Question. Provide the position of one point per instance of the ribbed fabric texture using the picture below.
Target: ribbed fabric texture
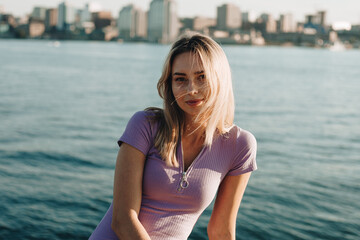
(169, 212)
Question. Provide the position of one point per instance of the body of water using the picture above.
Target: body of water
(63, 107)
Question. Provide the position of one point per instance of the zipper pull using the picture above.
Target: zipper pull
(184, 183)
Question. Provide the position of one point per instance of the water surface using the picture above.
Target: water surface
(63, 108)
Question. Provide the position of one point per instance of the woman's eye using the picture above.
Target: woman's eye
(180, 79)
(201, 77)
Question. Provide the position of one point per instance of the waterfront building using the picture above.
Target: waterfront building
(51, 18)
(110, 33)
(66, 16)
(322, 18)
(201, 24)
(32, 28)
(286, 23)
(7, 25)
(249, 16)
(132, 23)
(36, 28)
(39, 13)
(228, 17)
(355, 28)
(317, 22)
(102, 19)
(247, 20)
(312, 19)
(187, 24)
(8, 19)
(316, 19)
(348, 34)
(86, 12)
(269, 22)
(78, 13)
(163, 23)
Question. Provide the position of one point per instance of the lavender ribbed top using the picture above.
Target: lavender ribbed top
(173, 200)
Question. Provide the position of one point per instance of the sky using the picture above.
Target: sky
(337, 10)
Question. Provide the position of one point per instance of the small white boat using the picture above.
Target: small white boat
(56, 44)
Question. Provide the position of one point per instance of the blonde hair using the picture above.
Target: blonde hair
(219, 105)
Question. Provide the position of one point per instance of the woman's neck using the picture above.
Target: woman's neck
(194, 131)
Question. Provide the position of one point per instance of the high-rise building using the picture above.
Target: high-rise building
(286, 23)
(316, 19)
(228, 17)
(51, 18)
(66, 16)
(247, 20)
(311, 19)
(86, 13)
(163, 23)
(249, 16)
(132, 22)
(39, 13)
(322, 18)
(270, 22)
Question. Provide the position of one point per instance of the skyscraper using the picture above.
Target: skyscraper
(132, 22)
(39, 13)
(66, 16)
(228, 17)
(163, 25)
(51, 18)
(86, 12)
(270, 23)
(286, 23)
(249, 16)
(322, 18)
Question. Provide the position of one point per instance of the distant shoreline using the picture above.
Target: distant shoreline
(57, 43)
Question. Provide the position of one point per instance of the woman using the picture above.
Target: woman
(172, 162)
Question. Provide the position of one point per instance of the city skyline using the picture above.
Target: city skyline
(344, 11)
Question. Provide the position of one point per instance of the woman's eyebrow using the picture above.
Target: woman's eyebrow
(183, 74)
(180, 74)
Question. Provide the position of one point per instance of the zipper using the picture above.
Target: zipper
(184, 183)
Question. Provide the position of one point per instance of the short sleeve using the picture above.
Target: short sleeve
(245, 153)
(138, 132)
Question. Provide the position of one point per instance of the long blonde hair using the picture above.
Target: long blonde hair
(219, 105)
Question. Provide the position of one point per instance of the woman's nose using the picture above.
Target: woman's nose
(192, 88)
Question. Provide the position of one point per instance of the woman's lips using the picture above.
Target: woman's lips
(194, 102)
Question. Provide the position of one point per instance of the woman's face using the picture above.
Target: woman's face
(189, 84)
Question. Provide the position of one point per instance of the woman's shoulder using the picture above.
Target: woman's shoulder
(150, 119)
(148, 114)
(243, 147)
(240, 137)
(244, 136)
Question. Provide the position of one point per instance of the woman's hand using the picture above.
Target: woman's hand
(222, 223)
(127, 194)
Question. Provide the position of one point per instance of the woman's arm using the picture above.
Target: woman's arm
(222, 224)
(127, 194)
